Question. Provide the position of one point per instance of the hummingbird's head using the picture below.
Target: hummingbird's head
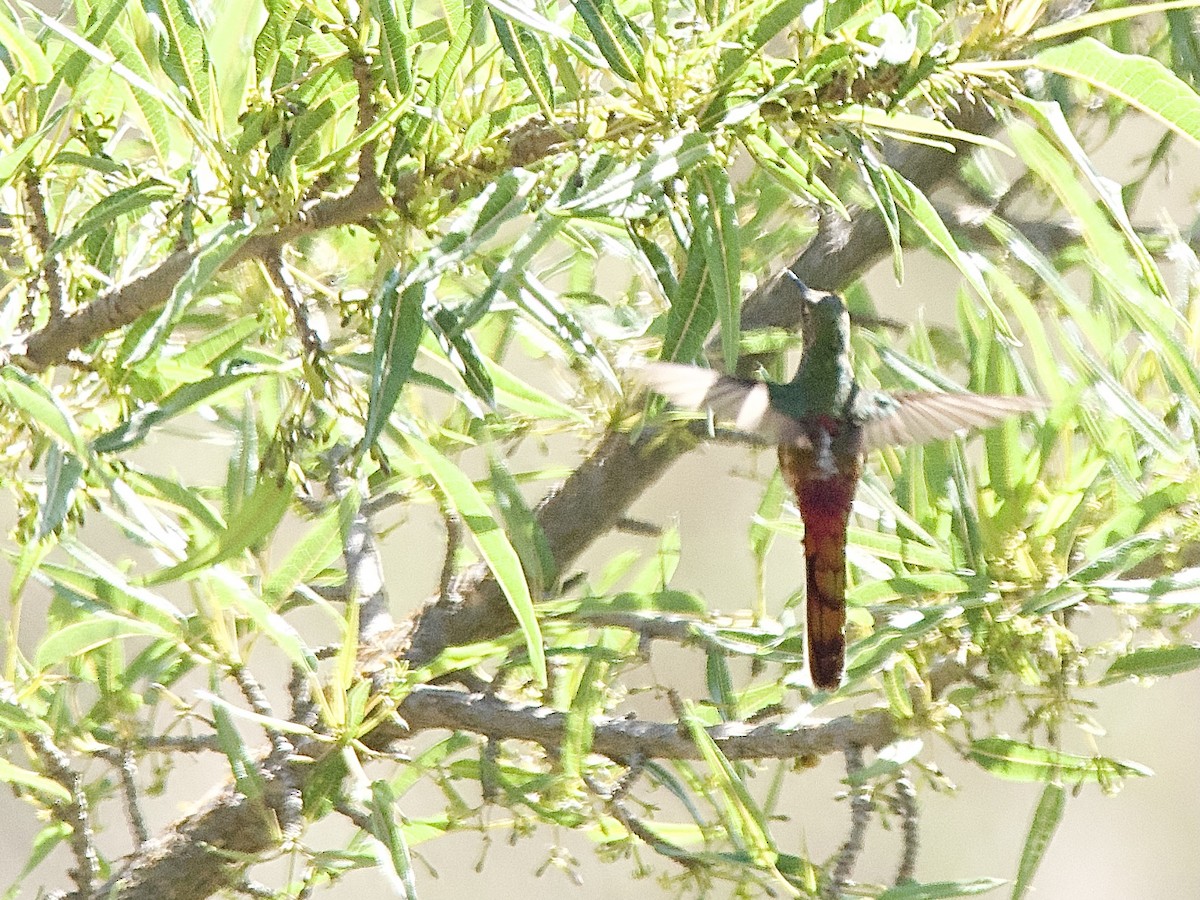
(824, 320)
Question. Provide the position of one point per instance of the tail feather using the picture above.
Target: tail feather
(825, 508)
(826, 595)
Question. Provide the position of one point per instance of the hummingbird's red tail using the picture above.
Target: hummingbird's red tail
(825, 508)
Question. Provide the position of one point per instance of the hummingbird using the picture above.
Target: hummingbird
(823, 424)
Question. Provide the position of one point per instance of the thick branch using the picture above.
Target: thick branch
(630, 739)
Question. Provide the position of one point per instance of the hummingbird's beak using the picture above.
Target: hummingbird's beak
(807, 299)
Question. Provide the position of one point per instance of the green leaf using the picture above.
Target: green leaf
(880, 190)
(382, 824)
(40, 784)
(461, 351)
(524, 530)
(281, 14)
(741, 815)
(1018, 761)
(40, 408)
(674, 157)
(242, 763)
(1045, 822)
(26, 56)
(1154, 662)
(767, 25)
(398, 332)
(98, 629)
(616, 37)
(938, 890)
(693, 310)
(1140, 81)
(926, 217)
(102, 216)
(256, 519)
(587, 702)
(545, 308)
(182, 52)
(1052, 120)
(141, 421)
(217, 250)
(715, 224)
(497, 551)
(232, 591)
(529, 57)
(313, 552)
(393, 45)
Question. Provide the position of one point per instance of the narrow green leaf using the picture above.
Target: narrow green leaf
(141, 421)
(693, 310)
(452, 58)
(1096, 18)
(26, 394)
(674, 157)
(1154, 662)
(577, 729)
(545, 308)
(98, 629)
(232, 591)
(393, 18)
(26, 56)
(281, 14)
(194, 363)
(913, 584)
(926, 217)
(940, 890)
(880, 190)
(63, 471)
(461, 351)
(212, 256)
(715, 223)
(395, 855)
(1140, 81)
(242, 763)
(313, 552)
(523, 529)
(182, 52)
(40, 784)
(529, 57)
(1046, 817)
(771, 22)
(102, 216)
(616, 37)
(493, 544)
(1018, 761)
(398, 332)
(99, 581)
(257, 518)
(741, 814)
(1053, 121)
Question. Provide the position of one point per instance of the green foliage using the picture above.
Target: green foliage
(396, 250)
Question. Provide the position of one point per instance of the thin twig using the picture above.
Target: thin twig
(454, 535)
(279, 763)
(51, 272)
(125, 763)
(905, 805)
(293, 297)
(860, 817)
(614, 804)
(74, 812)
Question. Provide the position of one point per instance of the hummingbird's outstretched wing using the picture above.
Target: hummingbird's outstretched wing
(743, 403)
(914, 418)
